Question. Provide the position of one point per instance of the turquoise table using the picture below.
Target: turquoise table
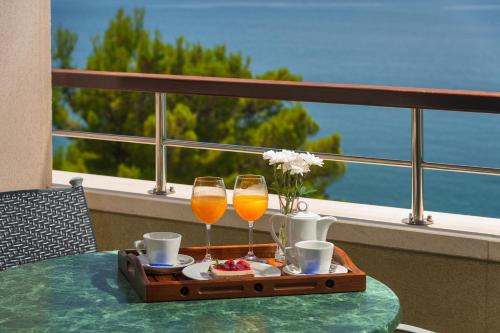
(86, 293)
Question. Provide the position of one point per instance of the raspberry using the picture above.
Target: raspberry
(243, 263)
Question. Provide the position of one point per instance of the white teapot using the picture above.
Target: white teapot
(301, 226)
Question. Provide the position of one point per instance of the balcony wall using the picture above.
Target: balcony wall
(25, 95)
(447, 280)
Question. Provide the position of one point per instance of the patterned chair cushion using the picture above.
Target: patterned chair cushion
(43, 224)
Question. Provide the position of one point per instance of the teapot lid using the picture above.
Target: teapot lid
(303, 213)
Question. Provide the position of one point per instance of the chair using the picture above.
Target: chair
(42, 224)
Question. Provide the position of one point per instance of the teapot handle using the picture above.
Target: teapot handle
(273, 230)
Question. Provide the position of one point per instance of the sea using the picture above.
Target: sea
(426, 43)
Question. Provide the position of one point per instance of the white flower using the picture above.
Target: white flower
(299, 170)
(298, 165)
(270, 155)
(285, 156)
(311, 159)
(280, 157)
(287, 160)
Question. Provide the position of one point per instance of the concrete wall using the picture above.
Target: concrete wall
(117, 231)
(439, 293)
(25, 94)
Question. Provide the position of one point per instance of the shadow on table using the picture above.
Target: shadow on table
(112, 282)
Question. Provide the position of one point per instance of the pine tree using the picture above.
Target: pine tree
(126, 46)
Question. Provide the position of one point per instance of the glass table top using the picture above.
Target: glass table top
(86, 293)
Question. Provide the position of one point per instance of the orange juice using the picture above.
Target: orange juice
(209, 208)
(250, 207)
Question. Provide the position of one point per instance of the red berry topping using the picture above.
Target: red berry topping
(231, 265)
(243, 263)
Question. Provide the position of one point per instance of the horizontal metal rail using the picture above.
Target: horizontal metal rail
(423, 98)
(259, 150)
(221, 147)
(461, 168)
(103, 137)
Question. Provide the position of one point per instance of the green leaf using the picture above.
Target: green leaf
(303, 192)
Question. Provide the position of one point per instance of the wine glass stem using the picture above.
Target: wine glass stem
(208, 241)
(250, 238)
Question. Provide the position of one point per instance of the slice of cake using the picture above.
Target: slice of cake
(231, 268)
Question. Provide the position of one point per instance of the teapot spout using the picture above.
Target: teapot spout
(322, 226)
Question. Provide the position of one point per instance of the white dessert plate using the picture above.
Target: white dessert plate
(199, 271)
(182, 261)
(334, 269)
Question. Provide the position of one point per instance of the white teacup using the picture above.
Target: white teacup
(161, 247)
(311, 256)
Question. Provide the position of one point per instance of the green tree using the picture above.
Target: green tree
(126, 46)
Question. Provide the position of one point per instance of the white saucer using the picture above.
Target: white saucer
(199, 271)
(334, 269)
(182, 261)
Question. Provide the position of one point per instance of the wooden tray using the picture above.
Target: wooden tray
(177, 287)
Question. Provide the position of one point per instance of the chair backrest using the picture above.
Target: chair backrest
(43, 224)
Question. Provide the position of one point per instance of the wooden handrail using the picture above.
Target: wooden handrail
(386, 96)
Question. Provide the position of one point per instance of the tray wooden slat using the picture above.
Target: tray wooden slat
(177, 287)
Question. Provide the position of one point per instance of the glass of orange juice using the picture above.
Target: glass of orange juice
(208, 202)
(250, 202)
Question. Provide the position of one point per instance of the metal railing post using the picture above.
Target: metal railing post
(417, 175)
(160, 148)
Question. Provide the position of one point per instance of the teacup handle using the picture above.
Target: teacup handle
(273, 230)
(139, 246)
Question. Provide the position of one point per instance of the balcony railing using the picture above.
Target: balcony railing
(417, 99)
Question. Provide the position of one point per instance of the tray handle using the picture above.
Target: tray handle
(342, 258)
(135, 271)
(337, 257)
